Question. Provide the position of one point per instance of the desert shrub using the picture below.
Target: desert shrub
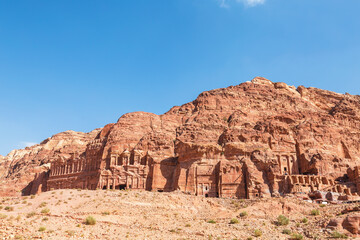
(18, 237)
(211, 221)
(41, 229)
(90, 220)
(24, 202)
(18, 218)
(243, 214)
(336, 234)
(32, 196)
(2, 216)
(45, 219)
(105, 213)
(304, 220)
(31, 214)
(322, 205)
(9, 209)
(234, 221)
(188, 225)
(1, 207)
(315, 212)
(43, 204)
(45, 211)
(257, 233)
(249, 238)
(282, 220)
(296, 236)
(286, 231)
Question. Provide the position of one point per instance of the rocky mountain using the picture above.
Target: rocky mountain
(19, 167)
(263, 131)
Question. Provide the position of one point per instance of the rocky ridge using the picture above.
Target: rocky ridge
(255, 119)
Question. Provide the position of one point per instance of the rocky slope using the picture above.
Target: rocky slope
(136, 214)
(255, 119)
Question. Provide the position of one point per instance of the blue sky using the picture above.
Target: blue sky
(82, 64)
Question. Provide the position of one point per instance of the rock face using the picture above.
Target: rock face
(26, 171)
(352, 223)
(256, 139)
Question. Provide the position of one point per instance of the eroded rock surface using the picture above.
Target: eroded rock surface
(256, 139)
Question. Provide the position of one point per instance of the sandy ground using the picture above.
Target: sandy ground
(135, 214)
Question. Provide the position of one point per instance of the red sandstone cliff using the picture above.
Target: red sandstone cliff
(20, 167)
(251, 126)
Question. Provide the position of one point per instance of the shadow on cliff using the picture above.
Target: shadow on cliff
(38, 185)
(167, 168)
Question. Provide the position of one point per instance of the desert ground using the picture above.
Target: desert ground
(135, 214)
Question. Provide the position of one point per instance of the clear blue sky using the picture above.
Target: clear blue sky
(82, 64)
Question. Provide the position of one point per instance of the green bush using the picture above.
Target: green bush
(282, 220)
(43, 204)
(41, 229)
(286, 231)
(243, 214)
(211, 221)
(336, 234)
(304, 220)
(45, 211)
(234, 221)
(257, 233)
(315, 212)
(90, 220)
(31, 214)
(188, 225)
(322, 205)
(106, 213)
(296, 236)
(7, 208)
